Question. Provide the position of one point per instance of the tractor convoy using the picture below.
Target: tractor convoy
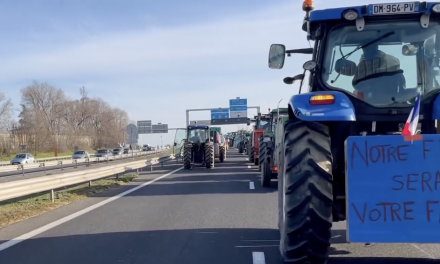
(312, 147)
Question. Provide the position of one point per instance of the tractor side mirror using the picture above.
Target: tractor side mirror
(291, 80)
(345, 67)
(277, 55)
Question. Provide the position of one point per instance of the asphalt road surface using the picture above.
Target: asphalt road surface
(200, 216)
(52, 170)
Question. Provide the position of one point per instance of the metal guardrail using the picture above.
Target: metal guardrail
(8, 163)
(44, 164)
(21, 188)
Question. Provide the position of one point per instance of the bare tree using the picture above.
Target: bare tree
(6, 110)
(49, 119)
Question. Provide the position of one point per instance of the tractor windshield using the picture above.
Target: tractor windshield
(386, 64)
(197, 135)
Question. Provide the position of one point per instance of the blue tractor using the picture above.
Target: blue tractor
(198, 148)
(369, 65)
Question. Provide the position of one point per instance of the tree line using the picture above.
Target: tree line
(48, 119)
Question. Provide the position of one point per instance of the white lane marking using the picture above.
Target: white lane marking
(260, 240)
(65, 219)
(258, 258)
(259, 246)
(251, 185)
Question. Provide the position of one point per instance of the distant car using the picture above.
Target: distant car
(80, 154)
(103, 153)
(118, 151)
(126, 150)
(146, 148)
(23, 158)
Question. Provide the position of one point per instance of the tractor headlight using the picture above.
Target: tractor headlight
(350, 14)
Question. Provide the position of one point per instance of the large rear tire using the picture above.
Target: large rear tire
(251, 152)
(240, 148)
(262, 153)
(209, 155)
(266, 173)
(222, 155)
(307, 198)
(187, 153)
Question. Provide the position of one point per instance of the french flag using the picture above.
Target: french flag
(410, 127)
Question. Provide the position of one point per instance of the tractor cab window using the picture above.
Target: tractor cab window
(274, 122)
(197, 135)
(263, 124)
(386, 64)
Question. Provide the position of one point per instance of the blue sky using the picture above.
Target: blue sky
(154, 59)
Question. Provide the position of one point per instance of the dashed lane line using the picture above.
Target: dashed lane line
(258, 258)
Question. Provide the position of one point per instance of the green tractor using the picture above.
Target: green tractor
(269, 145)
(198, 148)
(242, 138)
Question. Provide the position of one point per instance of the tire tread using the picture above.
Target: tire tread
(308, 193)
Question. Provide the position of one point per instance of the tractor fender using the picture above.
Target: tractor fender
(341, 110)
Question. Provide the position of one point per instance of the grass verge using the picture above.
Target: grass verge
(20, 209)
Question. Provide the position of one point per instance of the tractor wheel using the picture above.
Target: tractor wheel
(187, 157)
(246, 149)
(306, 193)
(266, 173)
(209, 155)
(251, 155)
(222, 155)
(240, 148)
(262, 153)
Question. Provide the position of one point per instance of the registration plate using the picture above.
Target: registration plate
(396, 8)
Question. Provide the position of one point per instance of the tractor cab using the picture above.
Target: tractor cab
(369, 64)
(198, 134)
(274, 118)
(262, 121)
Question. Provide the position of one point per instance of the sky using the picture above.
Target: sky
(155, 59)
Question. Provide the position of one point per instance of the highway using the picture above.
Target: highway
(37, 172)
(175, 216)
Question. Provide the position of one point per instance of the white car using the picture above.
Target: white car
(23, 158)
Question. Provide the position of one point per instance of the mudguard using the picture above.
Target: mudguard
(436, 108)
(341, 110)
